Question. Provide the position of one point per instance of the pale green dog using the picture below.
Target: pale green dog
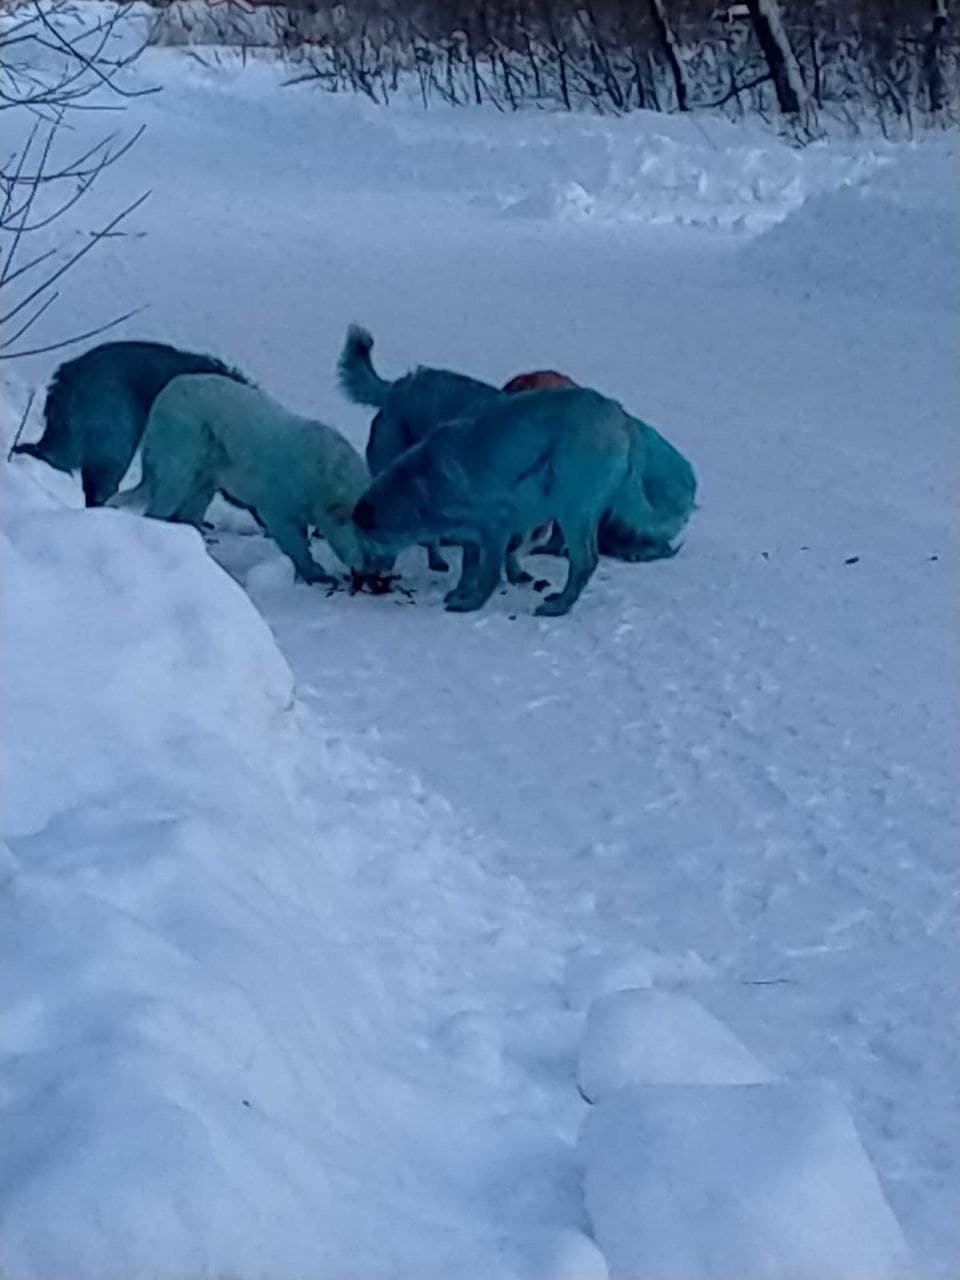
(207, 433)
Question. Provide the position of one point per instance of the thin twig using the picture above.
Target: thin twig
(28, 324)
(98, 236)
(23, 423)
(79, 337)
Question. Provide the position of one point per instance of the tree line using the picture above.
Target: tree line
(803, 61)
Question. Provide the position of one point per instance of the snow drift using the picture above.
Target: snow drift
(222, 985)
(736, 1182)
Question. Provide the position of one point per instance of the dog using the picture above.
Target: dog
(209, 433)
(97, 407)
(412, 406)
(408, 408)
(416, 404)
(567, 455)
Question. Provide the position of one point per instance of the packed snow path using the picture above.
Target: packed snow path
(743, 752)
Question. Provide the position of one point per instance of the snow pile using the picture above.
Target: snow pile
(739, 1182)
(892, 208)
(230, 947)
(659, 1037)
(647, 168)
(699, 1165)
(113, 620)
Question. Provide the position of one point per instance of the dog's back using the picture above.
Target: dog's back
(258, 443)
(97, 404)
(538, 454)
(410, 407)
(417, 404)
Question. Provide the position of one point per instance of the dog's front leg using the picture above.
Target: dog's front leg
(481, 572)
(435, 560)
(293, 541)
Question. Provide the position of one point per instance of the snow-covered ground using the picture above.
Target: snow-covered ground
(304, 923)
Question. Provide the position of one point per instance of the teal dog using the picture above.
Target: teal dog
(408, 408)
(412, 406)
(567, 455)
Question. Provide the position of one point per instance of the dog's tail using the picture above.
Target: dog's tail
(356, 374)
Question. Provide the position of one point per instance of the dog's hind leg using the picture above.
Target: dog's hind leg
(583, 556)
(194, 507)
(555, 544)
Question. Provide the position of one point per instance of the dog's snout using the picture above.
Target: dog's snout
(364, 514)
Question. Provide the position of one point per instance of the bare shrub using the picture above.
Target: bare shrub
(53, 64)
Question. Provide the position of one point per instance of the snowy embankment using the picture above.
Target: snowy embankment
(239, 959)
(274, 1007)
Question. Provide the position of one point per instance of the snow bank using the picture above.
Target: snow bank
(841, 239)
(659, 1037)
(749, 1182)
(648, 168)
(113, 620)
(245, 968)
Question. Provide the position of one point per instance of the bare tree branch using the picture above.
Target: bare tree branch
(36, 187)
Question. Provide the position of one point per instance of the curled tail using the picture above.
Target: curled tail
(357, 377)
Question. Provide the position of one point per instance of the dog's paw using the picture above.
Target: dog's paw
(554, 606)
(436, 562)
(455, 603)
(318, 578)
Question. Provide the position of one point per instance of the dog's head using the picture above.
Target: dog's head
(352, 547)
(413, 499)
(538, 380)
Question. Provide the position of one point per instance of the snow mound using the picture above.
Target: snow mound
(113, 622)
(27, 484)
(659, 1037)
(749, 1182)
(645, 168)
(563, 1255)
(900, 208)
(244, 968)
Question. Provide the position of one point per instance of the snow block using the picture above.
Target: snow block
(591, 974)
(747, 1182)
(659, 1037)
(562, 1254)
